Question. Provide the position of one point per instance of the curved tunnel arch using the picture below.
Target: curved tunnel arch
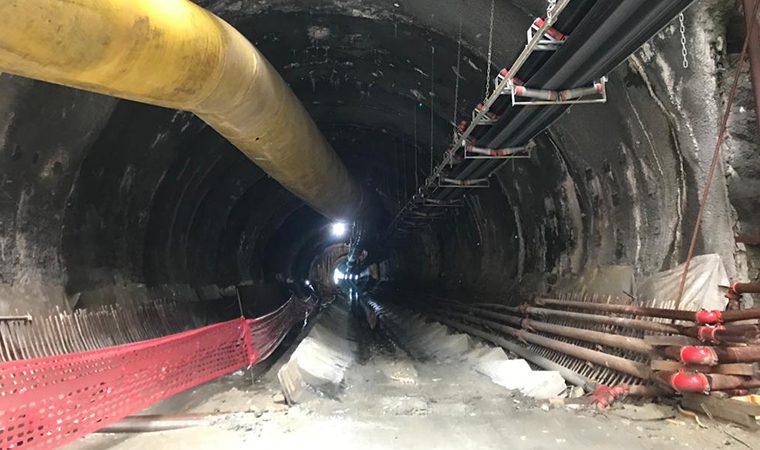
(152, 198)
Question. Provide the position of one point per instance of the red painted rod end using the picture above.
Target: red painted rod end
(703, 356)
(709, 317)
(690, 382)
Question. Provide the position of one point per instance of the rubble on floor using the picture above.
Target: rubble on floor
(436, 341)
(320, 362)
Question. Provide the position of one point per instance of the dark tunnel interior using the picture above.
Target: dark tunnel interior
(320, 242)
(116, 201)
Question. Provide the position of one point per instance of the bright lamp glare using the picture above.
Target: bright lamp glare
(337, 276)
(338, 229)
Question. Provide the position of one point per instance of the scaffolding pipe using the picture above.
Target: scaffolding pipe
(175, 54)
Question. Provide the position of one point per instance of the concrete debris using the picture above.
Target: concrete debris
(576, 392)
(400, 372)
(436, 341)
(483, 353)
(320, 362)
(517, 375)
(405, 406)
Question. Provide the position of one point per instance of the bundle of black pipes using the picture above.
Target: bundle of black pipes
(602, 35)
(674, 357)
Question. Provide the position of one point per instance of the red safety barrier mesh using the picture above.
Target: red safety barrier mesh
(47, 402)
(267, 332)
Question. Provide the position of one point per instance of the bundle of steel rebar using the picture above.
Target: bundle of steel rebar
(612, 341)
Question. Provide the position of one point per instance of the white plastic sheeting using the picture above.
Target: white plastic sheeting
(703, 284)
(706, 275)
(601, 280)
(516, 374)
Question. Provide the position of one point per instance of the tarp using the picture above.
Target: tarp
(703, 284)
(601, 280)
(706, 275)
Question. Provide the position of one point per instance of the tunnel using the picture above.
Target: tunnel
(107, 202)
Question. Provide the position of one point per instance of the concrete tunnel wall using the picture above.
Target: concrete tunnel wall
(105, 201)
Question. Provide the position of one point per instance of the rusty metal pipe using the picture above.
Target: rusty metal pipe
(729, 333)
(699, 382)
(734, 334)
(751, 383)
(711, 356)
(725, 334)
(569, 375)
(620, 309)
(741, 314)
(611, 340)
(597, 337)
(634, 324)
(175, 54)
(673, 314)
(746, 288)
(154, 423)
(623, 322)
(617, 363)
(749, 239)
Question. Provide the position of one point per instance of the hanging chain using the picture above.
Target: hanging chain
(432, 104)
(684, 50)
(456, 87)
(490, 51)
(416, 170)
(550, 10)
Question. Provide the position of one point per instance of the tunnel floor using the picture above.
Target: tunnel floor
(390, 399)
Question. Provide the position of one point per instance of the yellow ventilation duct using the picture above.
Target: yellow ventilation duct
(175, 54)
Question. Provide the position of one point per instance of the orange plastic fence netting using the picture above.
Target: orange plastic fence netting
(47, 402)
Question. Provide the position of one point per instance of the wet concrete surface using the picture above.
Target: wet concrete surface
(391, 400)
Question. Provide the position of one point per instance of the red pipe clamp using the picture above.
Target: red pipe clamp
(690, 382)
(701, 356)
(706, 333)
(604, 395)
(708, 317)
(551, 31)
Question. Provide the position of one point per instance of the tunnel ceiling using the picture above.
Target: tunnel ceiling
(106, 199)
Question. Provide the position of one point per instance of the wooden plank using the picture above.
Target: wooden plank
(672, 340)
(746, 369)
(731, 410)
